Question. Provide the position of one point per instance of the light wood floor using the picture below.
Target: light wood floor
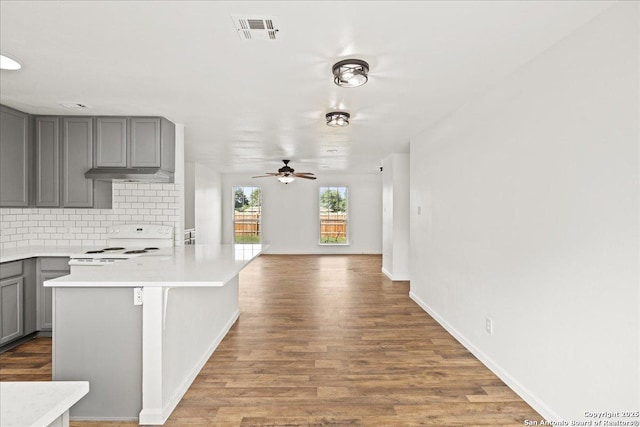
(326, 341)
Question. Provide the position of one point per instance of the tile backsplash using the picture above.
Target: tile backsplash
(133, 202)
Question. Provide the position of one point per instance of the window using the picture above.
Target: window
(247, 214)
(333, 216)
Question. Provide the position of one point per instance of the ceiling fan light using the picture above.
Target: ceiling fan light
(350, 73)
(286, 179)
(338, 119)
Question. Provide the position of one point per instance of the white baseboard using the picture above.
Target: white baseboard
(152, 418)
(109, 419)
(180, 392)
(397, 277)
(533, 400)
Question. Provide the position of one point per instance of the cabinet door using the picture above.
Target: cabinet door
(111, 142)
(145, 142)
(11, 306)
(45, 317)
(29, 296)
(14, 158)
(47, 162)
(77, 158)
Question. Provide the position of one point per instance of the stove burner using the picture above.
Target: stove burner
(150, 249)
(113, 249)
(137, 251)
(94, 252)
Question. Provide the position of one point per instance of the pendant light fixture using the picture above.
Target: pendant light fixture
(350, 73)
(338, 119)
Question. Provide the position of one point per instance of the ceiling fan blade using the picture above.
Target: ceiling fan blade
(305, 173)
(263, 176)
(304, 176)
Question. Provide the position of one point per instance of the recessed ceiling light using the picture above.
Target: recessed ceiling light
(332, 151)
(338, 119)
(9, 63)
(350, 73)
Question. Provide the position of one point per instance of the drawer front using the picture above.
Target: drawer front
(10, 269)
(54, 264)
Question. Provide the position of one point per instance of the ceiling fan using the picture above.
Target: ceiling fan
(287, 174)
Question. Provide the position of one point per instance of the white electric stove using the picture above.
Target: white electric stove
(126, 241)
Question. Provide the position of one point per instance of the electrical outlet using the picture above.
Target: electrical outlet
(489, 325)
(137, 296)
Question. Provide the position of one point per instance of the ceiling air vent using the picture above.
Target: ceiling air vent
(256, 28)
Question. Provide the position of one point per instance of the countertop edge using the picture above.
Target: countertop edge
(40, 251)
(78, 390)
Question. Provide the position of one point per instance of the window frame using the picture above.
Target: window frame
(233, 214)
(347, 218)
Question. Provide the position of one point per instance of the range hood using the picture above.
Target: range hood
(130, 174)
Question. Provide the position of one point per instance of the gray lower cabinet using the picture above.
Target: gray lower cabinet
(77, 158)
(30, 289)
(48, 268)
(47, 146)
(11, 301)
(11, 307)
(14, 158)
(17, 299)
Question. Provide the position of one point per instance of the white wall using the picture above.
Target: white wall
(290, 221)
(189, 195)
(529, 200)
(197, 319)
(395, 216)
(179, 177)
(207, 205)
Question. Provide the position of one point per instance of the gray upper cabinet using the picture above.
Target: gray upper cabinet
(145, 142)
(77, 158)
(111, 142)
(14, 158)
(47, 170)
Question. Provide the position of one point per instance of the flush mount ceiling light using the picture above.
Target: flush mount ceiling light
(350, 73)
(9, 63)
(338, 119)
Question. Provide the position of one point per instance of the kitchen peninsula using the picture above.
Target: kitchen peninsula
(140, 330)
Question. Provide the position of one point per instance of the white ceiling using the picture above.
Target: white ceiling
(247, 104)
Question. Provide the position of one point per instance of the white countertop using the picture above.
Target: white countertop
(25, 252)
(193, 265)
(37, 403)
